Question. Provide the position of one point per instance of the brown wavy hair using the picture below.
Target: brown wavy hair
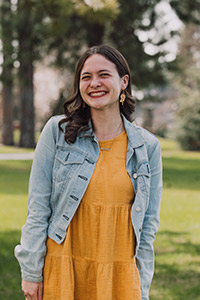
(77, 113)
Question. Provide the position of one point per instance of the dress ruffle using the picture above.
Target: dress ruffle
(73, 278)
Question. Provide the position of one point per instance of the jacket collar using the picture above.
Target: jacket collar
(135, 138)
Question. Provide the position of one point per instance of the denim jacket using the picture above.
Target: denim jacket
(59, 178)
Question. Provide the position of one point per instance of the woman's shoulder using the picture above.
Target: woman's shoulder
(151, 141)
(139, 135)
(148, 136)
(54, 120)
(51, 129)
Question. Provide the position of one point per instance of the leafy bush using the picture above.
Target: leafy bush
(188, 125)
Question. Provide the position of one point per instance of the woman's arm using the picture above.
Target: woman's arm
(145, 254)
(31, 252)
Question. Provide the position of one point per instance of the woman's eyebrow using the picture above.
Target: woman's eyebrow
(104, 70)
(84, 73)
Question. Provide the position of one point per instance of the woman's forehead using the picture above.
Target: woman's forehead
(97, 62)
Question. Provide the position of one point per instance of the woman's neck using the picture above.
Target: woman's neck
(107, 126)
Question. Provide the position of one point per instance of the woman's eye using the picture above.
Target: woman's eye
(105, 75)
(85, 77)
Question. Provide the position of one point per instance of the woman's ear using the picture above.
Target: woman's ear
(125, 80)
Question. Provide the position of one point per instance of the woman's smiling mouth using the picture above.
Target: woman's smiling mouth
(97, 94)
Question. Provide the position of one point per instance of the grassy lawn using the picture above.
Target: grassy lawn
(11, 149)
(177, 245)
(13, 203)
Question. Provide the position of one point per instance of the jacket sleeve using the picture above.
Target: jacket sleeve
(32, 249)
(145, 253)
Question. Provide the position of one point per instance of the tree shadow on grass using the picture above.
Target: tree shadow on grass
(14, 177)
(181, 173)
(178, 241)
(174, 283)
(10, 279)
(175, 280)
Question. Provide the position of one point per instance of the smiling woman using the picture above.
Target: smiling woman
(97, 68)
(100, 88)
(94, 193)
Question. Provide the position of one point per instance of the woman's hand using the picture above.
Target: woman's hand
(32, 290)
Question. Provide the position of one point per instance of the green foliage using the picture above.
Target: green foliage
(66, 27)
(97, 11)
(63, 29)
(30, 31)
(188, 125)
(187, 129)
(188, 11)
(146, 69)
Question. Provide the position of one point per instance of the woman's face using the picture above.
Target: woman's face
(100, 83)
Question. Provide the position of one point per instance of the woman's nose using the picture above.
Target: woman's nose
(95, 82)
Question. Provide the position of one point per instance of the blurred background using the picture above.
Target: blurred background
(40, 42)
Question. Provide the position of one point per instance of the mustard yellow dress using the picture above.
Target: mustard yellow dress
(96, 260)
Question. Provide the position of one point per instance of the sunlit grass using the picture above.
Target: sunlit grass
(13, 202)
(177, 245)
(14, 149)
(13, 193)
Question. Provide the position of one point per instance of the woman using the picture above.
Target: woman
(94, 194)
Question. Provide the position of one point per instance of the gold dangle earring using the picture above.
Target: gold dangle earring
(122, 98)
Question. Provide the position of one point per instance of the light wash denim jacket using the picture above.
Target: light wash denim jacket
(59, 177)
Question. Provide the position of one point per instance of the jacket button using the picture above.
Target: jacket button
(135, 175)
(138, 208)
(140, 229)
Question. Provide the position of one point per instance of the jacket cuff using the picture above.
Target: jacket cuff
(32, 277)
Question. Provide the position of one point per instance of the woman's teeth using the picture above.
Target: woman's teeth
(97, 93)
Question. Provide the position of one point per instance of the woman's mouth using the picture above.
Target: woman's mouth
(97, 94)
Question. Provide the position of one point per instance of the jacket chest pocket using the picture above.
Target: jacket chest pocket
(66, 164)
(143, 176)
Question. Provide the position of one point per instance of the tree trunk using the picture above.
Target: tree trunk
(25, 32)
(6, 77)
(27, 137)
(7, 124)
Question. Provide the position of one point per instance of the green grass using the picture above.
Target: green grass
(177, 246)
(13, 203)
(14, 149)
(13, 193)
